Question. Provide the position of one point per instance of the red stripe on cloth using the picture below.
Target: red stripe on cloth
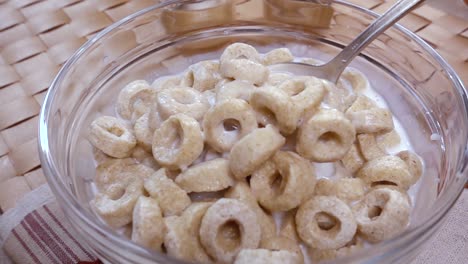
(37, 241)
(68, 233)
(47, 240)
(30, 253)
(55, 236)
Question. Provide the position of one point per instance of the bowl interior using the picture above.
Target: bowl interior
(418, 87)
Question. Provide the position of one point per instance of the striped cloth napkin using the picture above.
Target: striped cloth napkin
(36, 231)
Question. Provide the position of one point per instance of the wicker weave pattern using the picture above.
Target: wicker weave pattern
(37, 37)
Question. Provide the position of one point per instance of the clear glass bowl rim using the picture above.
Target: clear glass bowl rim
(65, 197)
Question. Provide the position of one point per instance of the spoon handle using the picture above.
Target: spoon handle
(392, 15)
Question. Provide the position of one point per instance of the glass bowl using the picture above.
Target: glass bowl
(420, 87)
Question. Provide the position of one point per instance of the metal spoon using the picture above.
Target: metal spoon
(332, 70)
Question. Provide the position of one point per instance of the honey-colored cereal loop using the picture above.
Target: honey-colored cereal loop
(229, 226)
(208, 176)
(330, 254)
(280, 55)
(369, 148)
(202, 76)
(382, 214)
(306, 92)
(346, 189)
(395, 188)
(178, 142)
(244, 69)
(283, 182)
(250, 152)
(242, 192)
(414, 163)
(375, 120)
(338, 97)
(182, 100)
(362, 102)
(116, 204)
(112, 137)
(276, 78)
(274, 106)
(282, 243)
(353, 159)
(182, 239)
(386, 170)
(264, 256)
(119, 171)
(239, 51)
(171, 198)
(332, 236)
(164, 83)
(135, 99)
(148, 227)
(145, 158)
(143, 132)
(227, 122)
(236, 89)
(326, 137)
(288, 226)
(355, 78)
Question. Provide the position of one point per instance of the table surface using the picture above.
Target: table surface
(37, 37)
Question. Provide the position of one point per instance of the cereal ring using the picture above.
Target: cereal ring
(346, 189)
(178, 142)
(274, 106)
(111, 136)
(244, 69)
(288, 227)
(116, 204)
(306, 92)
(250, 152)
(119, 171)
(276, 78)
(386, 170)
(183, 100)
(240, 51)
(369, 148)
(166, 82)
(395, 188)
(326, 137)
(362, 102)
(325, 237)
(375, 120)
(388, 140)
(182, 238)
(355, 78)
(283, 243)
(353, 160)
(236, 89)
(413, 161)
(264, 256)
(209, 176)
(227, 122)
(143, 132)
(135, 99)
(154, 118)
(145, 158)
(330, 254)
(241, 191)
(283, 182)
(171, 198)
(148, 227)
(382, 214)
(202, 76)
(339, 98)
(100, 157)
(229, 226)
(280, 55)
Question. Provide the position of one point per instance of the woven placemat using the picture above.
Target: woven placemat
(37, 37)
